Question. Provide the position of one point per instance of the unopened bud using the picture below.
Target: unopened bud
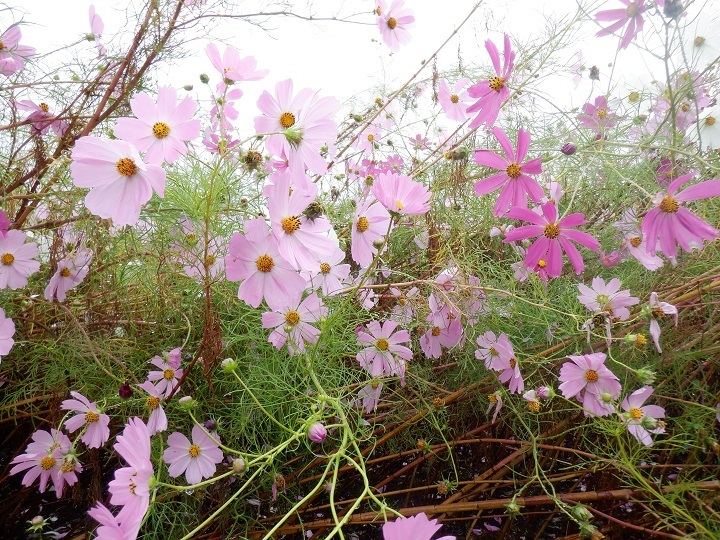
(228, 365)
(238, 465)
(204, 78)
(317, 432)
(187, 403)
(188, 87)
(568, 149)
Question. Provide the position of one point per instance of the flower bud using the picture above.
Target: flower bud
(646, 376)
(545, 392)
(125, 391)
(188, 87)
(228, 365)
(187, 403)
(37, 520)
(317, 432)
(581, 513)
(238, 465)
(204, 78)
(210, 425)
(568, 149)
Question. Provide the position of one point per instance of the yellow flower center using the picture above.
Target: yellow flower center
(602, 113)
(533, 406)
(3, 46)
(168, 374)
(710, 121)
(402, 300)
(48, 462)
(7, 259)
(513, 363)
(65, 272)
(602, 299)
(669, 205)
(382, 344)
(378, 10)
(371, 137)
(161, 130)
(436, 331)
(635, 241)
(640, 340)
(44, 107)
(264, 263)
(325, 268)
(290, 224)
(399, 205)
(492, 398)
(392, 23)
(91, 417)
(494, 351)
(374, 384)
(551, 231)
(287, 120)
(542, 263)
(496, 83)
(67, 467)
(635, 413)
(513, 171)
(454, 98)
(363, 224)
(126, 167)
(698, 41)
(153, 402)
(685, 107)
(292, 318)
(632, 9)
(591, 376)
(194, 450)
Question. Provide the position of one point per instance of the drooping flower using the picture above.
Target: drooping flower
(158, 419)
(513, 178)
(254, 258)
(120, 181)
(41, 117)
(454, 102)
(642, 420)
(445, 329)
(554, 237)
(657, 310)
(403, 310)
(383, 353)
(96, 29)
(417, 527)
(370, 224)
(672, 224)
(97, 431)
(401, 194)
(12, 54)
(494, 402)
(292, 323)
(160, 129)
(69, 274)
(110, 528)
(607, 298)
(597, 117)
(7, 331)
(131, 486)
(197, 460)
(17, 259)
(232, 67)
(631, 15)
(491, 94)
(587, 377)
(369, 395)
(394, 24)
(168, 375)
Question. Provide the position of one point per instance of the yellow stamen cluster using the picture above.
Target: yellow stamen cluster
(382, 344)
(210, 260)
(542, 263)
(551, 231)
(635, 413)
(494, 351)
(436, 331)
(65, 272)
(290, 224)
(534, 406)
(44, 107)
(513, 171)
(496, 83)
(399, 205)
(698, 41)
(635, 241)
(91, 417)
(363, 224)
(126, 167)
(264, 263)
(152, 402)
(169, 374)
(48, 462)
(591, 376)
(669, 205)
(710, 121)
(513, 363)
(371, 137)
(640, 340)
(632, 9)
(325, 268)
(7, 259)
(392, 23)
(160, 130)
(454, 98)
(287, 120)
(492, 398)
(66, 467)
(292, 318)
(602, 114)
(194, 450)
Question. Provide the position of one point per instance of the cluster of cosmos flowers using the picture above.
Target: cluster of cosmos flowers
(290, 260)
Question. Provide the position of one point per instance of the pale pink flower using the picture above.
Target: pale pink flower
(7, 331)
(317, 432)
(131, 486)
(167, 375)
(454, 102)
(403, 310)
(491, 94)
(597, 117)
(506, 362)
(110, 528)
(292, 323)
(69, 274)
(232, 67)
(17, 260)
(553, 237)
(671, 224)
(607, 298)
(96, 423)
(401, 194)
(41, 117)
(587, 377)
(419, 142)
(158, 419)
(96, 29)
(330, 274)
(160, 130)
(371, 223)
(254, 258)
(445, 330)
(514, 180)
(394, 24)
(370, 395)
(121, 181)
(367, 139)
(631, 15)
(417, 527)
(642, 419)
(636, 245)
(657, 310)
(383, 352)
(12, 54)
(198, 460)
(494, 351)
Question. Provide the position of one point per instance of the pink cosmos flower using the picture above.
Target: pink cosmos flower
(671, 224)
(131, 486)
(69, 274)
(657, 311)
(445, 330)
(587, 377)
(160, 130)
(369, 395)
(110, 528)
(493, 351)
(607, 298)
(167, 375)
(417, 527)
(514, 180)
(366, 140)
(41, 117)
(7, 331)
(17, 260)
(642, 419)
(419, 142)
(232, 67)
(158, 419)
(553, 237)
(609, 259)
(401, 194)
(121, 181)
(370, 224)
(254, 258)
(491, 94)
(636, 245)
(292, 323)
(197, 460)
(12, 54)
(383, 352)
(403, 310)
(317, 432)
(394, 24)
(97, 431)
(597, 117)
(330, 273)
(631, 16)
(4, 224)
(454, 102)
(96, 29)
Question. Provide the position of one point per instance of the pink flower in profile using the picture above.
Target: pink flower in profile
(401, 194)
(96, 423)
(642, 419)
(131, 486)
(160, 130)
(96, 29)
(491, 94)
(17, 260)
(4, 224)
(607, 298)
(394, 24)
(513, 179)
(330, 273)
(69, 274)
(657, 310)
(383, 353)
(454, 102)
(254, 258)
(587, 377)
(158, 419)
(168, 375)
(671, 224)
(494, 402)
(110, 528)
(12, 54)
(609, 259)
(7, 331)
(292, 323)
(232, 67)
(41, 117)
(371, 223)
(198, 460)
(445, 330)
(631, 15)
(121, 181)
(369, 395)
(417, 527)
(597, 117)
(553, 237)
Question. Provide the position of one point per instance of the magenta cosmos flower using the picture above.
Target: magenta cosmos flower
(69, 274)
(417, 527)
(588, 378)
(553, 237)
(197, 460)
(95, 422)
(371, 223)
(41, 117)
(121, 181)
(491, 94)
(454, 102)
(12, 54)
(671, 224)
(160, 130)
(254, 258)
(630, 15)
(17, 260)
(292, 323)
(401, 194)
(641, 419)
(597, 117)
(131, 486)
(514, 180)
(7, 331)
(383, 353)
(607, 298)
(394, 23)
(232, 67)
